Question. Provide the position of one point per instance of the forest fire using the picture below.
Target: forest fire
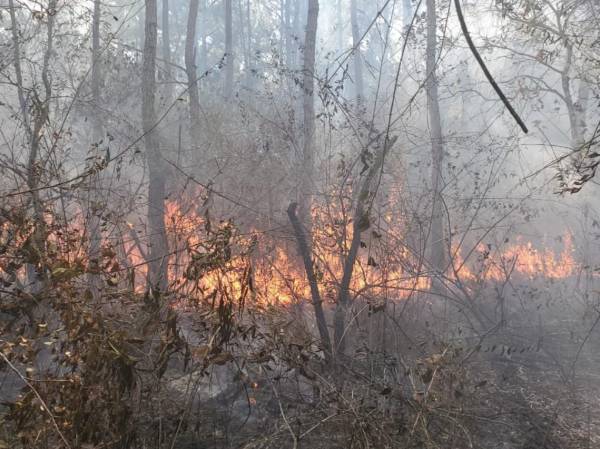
(299, 224)
(208, 258)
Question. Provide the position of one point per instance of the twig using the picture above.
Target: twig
(44, 406)
(285, 420)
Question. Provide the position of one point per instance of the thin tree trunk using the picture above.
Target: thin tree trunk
(360, 223)
(581, 107)
(288, 34)
(158, 248)
(191, 71)
(438, 248)
(204, 37)
(229, 56)
(35, 133)
(97, 133)
(166, 53)
(566, 87)
(575, 108)
(22, 104)
(17, 63)
(305, 253)
(358, 57)
(407, 13)
(308, 158)
(250, 69)
(339, 26)
(298, 29)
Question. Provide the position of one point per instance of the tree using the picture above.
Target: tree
(157, 238)
(308, 106)
(438, 245)
(407, 13)
(192, 72)
(358, 58)
(94, 229)
(34, 127)
(543, 23)
(229, 55)
(166, 53)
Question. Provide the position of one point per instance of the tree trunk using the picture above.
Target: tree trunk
(305, 253)
(250, 69)
(94, 230)
(229, 56)
(204, 37)
(299, 31)
(307, 184)
(35, 132)
(581, 107)
(166, 54)
(288, 34)
(339, 26)
(438, 247)
(360, 223)
(157, 238)
(245, 14)
(358, 57)
(575, 108)
(191, 71)
(407, 13)
(18, 71)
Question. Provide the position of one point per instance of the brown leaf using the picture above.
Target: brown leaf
(200, 352)
(222, 358)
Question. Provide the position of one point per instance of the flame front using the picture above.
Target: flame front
(207, 259)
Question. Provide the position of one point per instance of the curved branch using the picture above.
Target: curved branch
(487, 73)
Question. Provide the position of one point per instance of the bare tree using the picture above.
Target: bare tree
(157, 238)
(438, 246)
(97, 134)
(34, 127)
(358, 57)
(166, 52)
(407, 13)
(317, 302)
(339, 25)
(361, 222)
(229, 55)
(191, 71)
(308, 103)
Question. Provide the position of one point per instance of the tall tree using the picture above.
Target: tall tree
(358, 57)
(250, 69)
(438, 247)
(287, 32)
(157, 237)
(166, 52)
(97, 134)
(34, 128)
(339, 25)
(204, 37)
(407, 13)
(191, 70)
(308, 103)
(229, 56)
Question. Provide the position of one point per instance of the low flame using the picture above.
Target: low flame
(211, 258)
